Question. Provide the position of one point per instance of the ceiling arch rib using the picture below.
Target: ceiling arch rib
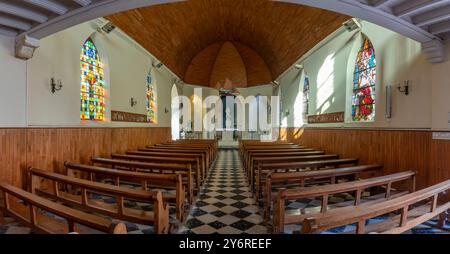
(426, 21)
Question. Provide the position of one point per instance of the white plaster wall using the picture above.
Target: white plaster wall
(12, 86)
(332, 66)
(440, 102)
(126, 66)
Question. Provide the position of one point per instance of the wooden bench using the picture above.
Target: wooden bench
(203, 163)
(159, 217)
(265, 168)
(25, 207)
(185, 171)
(146, 180)
(261, 160)
(265, 149)
(194, 162)
(248, 161)
(211, 153)
(213, 143)
(414, 209)
(300, 179)
(202, 152)
(281, 218)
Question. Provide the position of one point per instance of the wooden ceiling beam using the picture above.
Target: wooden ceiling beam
(83, 2)
(432, 17)
(415, 7)
(8, 31)
(440, 28)
(22, 12)
(49, 5)
(14, 23)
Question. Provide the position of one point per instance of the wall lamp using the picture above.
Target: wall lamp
(405, 88)
(133, 102)
(55, 86)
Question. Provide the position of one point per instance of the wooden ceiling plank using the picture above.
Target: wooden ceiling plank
(379, 3)
(8, 31)
(83, 2)
(176, 33)
(432, 17)
(14, 23)
(415, 7)
(440, 28)
(49, 5)
(22, 12)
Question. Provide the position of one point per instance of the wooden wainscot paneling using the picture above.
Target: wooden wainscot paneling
(337, 117)
(49, 148)
(133, 138)
(396, 150)
(13, 157)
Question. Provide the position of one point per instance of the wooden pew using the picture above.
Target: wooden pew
(261, 160)
(265, 168)
(415, 209)
(24, 207)
(160, 181)
(267, 149)
(159, 218)
(213, 142)
(202, 152)
(194, 162)
(281, 218)
(249, 163)
(203, 163)
(185, 171)
(300, 179)
(249, 154)
(209, 151)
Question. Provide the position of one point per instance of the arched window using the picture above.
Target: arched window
(92, 84)
(364, 81)
(305, 99)
(151, 100)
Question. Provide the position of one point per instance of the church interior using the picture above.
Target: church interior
(224, 117)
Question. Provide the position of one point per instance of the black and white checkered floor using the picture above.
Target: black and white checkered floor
(225, 206)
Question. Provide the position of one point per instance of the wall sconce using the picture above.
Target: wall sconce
(405, 88)
(133, 102)
(55, 87)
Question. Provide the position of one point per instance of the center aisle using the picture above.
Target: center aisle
(225, 204)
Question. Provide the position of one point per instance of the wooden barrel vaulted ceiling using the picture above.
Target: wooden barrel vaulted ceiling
(211, 42)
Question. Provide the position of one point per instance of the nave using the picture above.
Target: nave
(227, 205)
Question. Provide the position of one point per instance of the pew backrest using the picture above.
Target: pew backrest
(407, 205)
(31, 203)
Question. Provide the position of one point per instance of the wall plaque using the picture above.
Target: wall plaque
(119, 116)
(337, 117)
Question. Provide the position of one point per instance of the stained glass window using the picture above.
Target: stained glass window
(364, 81)
(92, 84)
(151, 100)
(305, 98)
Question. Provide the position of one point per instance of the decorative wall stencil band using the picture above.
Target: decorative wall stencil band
(119, 116)
(337, 117)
